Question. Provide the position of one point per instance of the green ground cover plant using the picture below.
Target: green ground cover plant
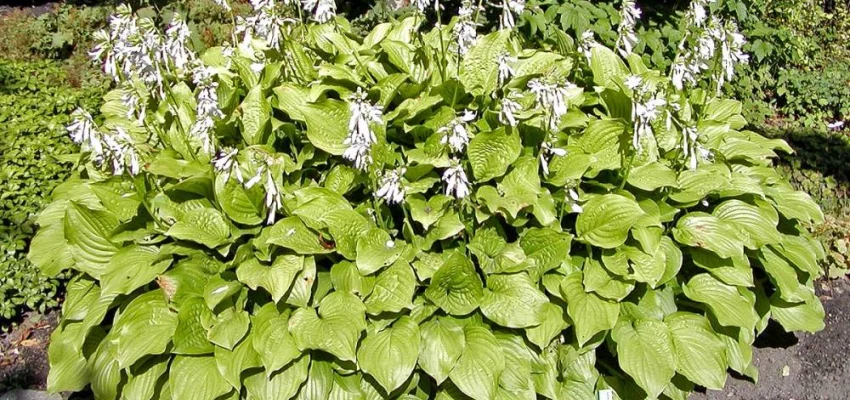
(283, 216)
(35, 106)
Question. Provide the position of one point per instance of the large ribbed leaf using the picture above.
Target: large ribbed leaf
(282, 385)
(256, 113)
(479, 68)
(442, 343)
(276, 278)
(196, 378)
(698, 229)
(701, 354)
(393, 290)
(513, 301)
(390, 355)
(490, 153)
(335, 328)
(456, 286)
(606, 220)
(327, 125)
(733, 306)
(87, 233)
(272, 339)
(757, 225)
(645, 352)
(145, 327)
(480, 365)
(590, 313)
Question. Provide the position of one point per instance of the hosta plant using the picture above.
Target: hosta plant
(424, 212)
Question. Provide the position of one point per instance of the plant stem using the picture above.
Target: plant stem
(628, 170)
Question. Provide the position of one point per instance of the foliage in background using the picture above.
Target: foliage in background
(35, 103)
(418, 212)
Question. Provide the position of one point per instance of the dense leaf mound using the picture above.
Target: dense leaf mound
(418, 213)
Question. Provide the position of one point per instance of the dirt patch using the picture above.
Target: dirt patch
(23, 352)
(801, 366)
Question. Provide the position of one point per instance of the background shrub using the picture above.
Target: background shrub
(35, 103)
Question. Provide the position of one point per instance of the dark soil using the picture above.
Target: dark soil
(23, 352)
(801, 366)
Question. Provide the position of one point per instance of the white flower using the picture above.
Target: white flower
(256, 178)
(225, 162)
(627, 39)
(223, 4)
(174, 49)
(207, 110)
(120, 151)
(835, 125)
(506, 115)
(643, 114)
(505, 69)
(360, 136)
(572, 200)
(551, 98)
(391, 189)
(586, 43)
(266, 23)
(322, 10)
(457, 184)
(422, 5)
(273, 199)
(548, 150)
(456, 132)
(84, 132)
(509, 8)
(633, 82)
(390, 244)
(465, 30)
(697, 13)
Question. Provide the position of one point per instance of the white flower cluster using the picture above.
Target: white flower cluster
(713, 33)
(627, 39)
(586, 43)
(509, 108)
(506, 71)
(692, 149)
(422, 5)
(550, 97)
(465, 30)
(266, 22)
(322, 10)
(456, 136)
(509, 8)
(547, 151)
(646, 108)
(207, 110)
(225, 162)
(133, 48)
(457, 131)
(360, 135)
(390, 186)
(457, 184)
(116, 148)
(572, 198)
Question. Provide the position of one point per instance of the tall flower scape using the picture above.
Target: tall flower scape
(426, 211)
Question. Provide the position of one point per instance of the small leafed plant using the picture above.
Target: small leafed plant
(423, 212)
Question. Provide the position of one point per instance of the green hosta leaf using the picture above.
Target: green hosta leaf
(698, 229)
(146, 327)
(548, 248)
(480, 365)
(256, 113)
(87, 233)
(783, 276)
(346, 227)
(805, 316)
(272, 339)
(131, 268)
(757, 225)
(490, 153)
(291, 233)
(68, 370)
(607, 67)
(441, 345)
(320, 381)
(327, 125)
(598, 280)
(191, 335)
(700, 353)
(801, 252)
(141, 384)
(229, 327)
(554, 322)
(202, 225)
(334, 329)
(346, 278)
(282, 385)
(606, 220)
(590, 313)
(393, 291)
(794, 204)
(731, 305)
(602, 135)
(219, 288)
(49, 250)
(516, 380)
(652, 176)
(427, 212)
(232, 363)
(645, 352)
(277, 278)
(735, 271)
(456, 286)
(513, 301)
(399, 343)
(375, 250)
(239, 204)
(196, 378)
(479, 69)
